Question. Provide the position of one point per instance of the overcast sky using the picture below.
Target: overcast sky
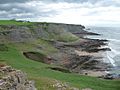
(86, 12)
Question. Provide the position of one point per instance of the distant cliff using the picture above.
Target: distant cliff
(51, 31)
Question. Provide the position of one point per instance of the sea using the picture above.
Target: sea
(112, 34)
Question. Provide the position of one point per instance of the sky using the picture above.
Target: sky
(85, 12)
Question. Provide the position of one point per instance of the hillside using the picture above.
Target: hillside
(52, 51)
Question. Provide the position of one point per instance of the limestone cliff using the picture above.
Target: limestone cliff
(51, 31)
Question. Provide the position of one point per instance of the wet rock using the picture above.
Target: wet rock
(111, 76)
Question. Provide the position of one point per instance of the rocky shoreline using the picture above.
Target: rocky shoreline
(83, 56)
(78, 55)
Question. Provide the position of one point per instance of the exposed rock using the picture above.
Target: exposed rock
(40, 30)
(38, 57)
(63, 86)
(111, 76)
(87, 89)
(60, 69)
(12, 79)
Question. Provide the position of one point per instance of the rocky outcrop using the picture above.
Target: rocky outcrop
(38, 57)
(80, 55)
(12, 79)
(63, 86)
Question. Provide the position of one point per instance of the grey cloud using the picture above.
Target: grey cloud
(104, 2)
(18, 10)
(73, 1)
(13, 1)
(49, 1)
(101, 2)
(109, 3)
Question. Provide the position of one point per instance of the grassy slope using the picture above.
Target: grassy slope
(43, 76)
(39, 73)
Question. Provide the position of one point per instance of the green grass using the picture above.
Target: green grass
(67, 37)
(39, 45)
(63, 37)
(13, 22)
(38, 72)
(46, 47)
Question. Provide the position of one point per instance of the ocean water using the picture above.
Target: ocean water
(113, 35)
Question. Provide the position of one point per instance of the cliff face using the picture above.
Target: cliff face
(12, 79)
(61, 32)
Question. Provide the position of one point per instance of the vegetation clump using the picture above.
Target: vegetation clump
(3, 47)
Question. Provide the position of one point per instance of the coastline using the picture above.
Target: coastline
(86, 56)
(113, 69)
(76, 55)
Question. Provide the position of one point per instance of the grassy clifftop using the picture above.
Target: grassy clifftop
(19, 37)
(13, 22)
